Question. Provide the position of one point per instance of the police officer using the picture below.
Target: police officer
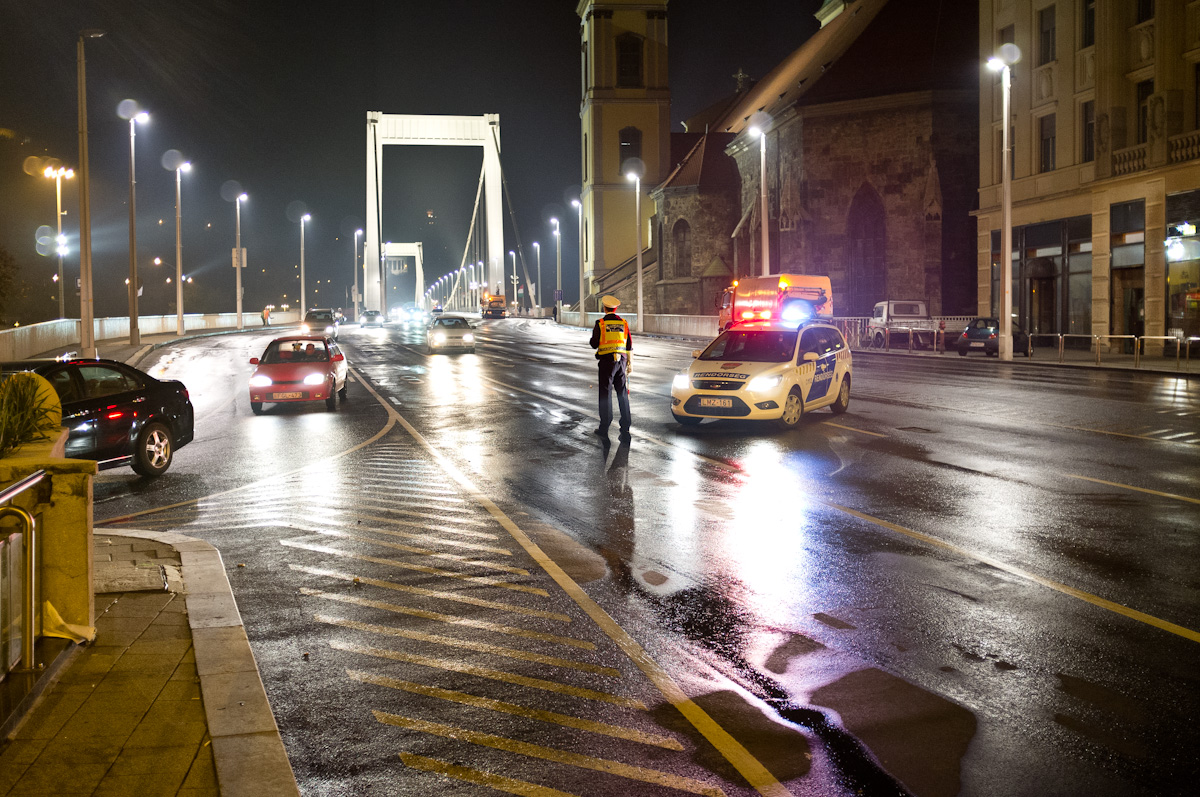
(613, 345)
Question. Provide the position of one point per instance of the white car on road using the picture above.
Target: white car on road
(765, 371)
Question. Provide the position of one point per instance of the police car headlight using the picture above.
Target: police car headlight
(760, 383)
(314, 379)
(260, 380)
(680, 382)
(468, 337)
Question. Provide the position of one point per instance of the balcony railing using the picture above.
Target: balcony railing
(1185, 147)
(1129, 160)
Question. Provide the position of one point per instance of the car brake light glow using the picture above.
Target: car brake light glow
(112, 416)
(992, 336)
(747, 314)
(783, 285)
(764, 314)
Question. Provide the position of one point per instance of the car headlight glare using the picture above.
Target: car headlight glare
(468, 338)
(314, 379)
(761, 383)
(328, 330)
(681, 382)
(260, 380)
(304, 328)
(439, 338)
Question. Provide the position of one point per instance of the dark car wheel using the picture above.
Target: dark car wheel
(793, 410)
(843, 400)
(153, 452)
(331, 401)
(256, 407)
(879, 340)
(342, 392)
(962, 352)
(686, 420)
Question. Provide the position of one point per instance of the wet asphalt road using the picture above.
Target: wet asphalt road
(981, 579)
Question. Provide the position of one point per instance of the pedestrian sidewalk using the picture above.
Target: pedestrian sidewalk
(166, 701)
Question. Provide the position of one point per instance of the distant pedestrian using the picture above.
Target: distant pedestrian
(554, 312)
(614, 346)
(266, 316)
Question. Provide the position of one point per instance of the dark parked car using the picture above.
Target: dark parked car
(116, 414)
(983, 334)
(320, 321)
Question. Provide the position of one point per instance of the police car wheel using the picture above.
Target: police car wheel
(843, 398)
(793, 410)
(685, 420)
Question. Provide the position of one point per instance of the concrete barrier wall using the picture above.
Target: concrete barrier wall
(20, 343)
(698, 326)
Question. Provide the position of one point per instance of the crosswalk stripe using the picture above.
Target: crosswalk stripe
(411, 535)
(480, 647)
(444, 513)
(454, 557)
(616, 731)
(433, 571)
(425, 614)
(608, 766)
(425, 524)
(479, 777)
(489, 673)
(430, 593)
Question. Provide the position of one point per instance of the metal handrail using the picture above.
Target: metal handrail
(30, 561)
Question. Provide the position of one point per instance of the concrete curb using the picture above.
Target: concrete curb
(142, 352)
(247, 748)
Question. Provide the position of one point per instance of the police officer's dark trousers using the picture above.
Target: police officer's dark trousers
(612, 377)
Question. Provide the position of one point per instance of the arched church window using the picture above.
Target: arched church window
(681, 247)
(630, 147)
(629, 61)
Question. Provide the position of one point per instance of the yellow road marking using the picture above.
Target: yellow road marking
(426, 525)
(605, 765)
(433, 571)
(450, 619)
(410, 535)
(489, 673)
(1136, 489)
(616, 731)
(479, 777)
(851, 429)
(468, 644)
(1133, 614)
(750, 767)
(431, 593)
(396, 546)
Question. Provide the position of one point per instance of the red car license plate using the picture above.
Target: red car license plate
(278, 396)
(716, 402)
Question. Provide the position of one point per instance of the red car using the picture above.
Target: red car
(298, 368)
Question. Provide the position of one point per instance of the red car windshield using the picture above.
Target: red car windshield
(295, 351)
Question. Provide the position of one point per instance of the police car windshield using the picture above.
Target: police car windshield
(756, 346)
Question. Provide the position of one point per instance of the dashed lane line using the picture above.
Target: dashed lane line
(454, 597)
(1135, 489)
(490, 674)
(450, 619)
(479, 777)
(566, 720)
(432, 571)
(467, 644)
(395, 546)
(652, 776)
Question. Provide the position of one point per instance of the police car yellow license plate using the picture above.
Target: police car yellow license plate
(716, 402)
(286, 395)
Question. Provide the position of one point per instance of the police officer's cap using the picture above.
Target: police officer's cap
(610, 302)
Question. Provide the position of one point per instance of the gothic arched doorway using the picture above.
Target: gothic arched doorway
(866, 267)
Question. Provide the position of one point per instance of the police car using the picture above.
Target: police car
(765, 371)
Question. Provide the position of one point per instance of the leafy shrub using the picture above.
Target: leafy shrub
(27, 413)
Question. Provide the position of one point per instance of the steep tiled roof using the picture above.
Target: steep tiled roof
(706, 165)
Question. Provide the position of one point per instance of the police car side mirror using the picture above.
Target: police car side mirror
(809, 357)
(696, 354)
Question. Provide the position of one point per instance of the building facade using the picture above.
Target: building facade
(1105, 127)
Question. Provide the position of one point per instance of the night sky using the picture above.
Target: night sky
(275, 95)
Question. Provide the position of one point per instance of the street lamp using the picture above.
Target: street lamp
(57, 175)
(761, 135)
(558, 270)
(636, 179)
(87, 326)
(513, 255)
(179, 170)
(237, 256)
(537, 251)
(127, 110)
(1009, 54)
(357, 234)
(579, 213)
(306, 217)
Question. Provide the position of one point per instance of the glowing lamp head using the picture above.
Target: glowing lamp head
(756, 132)
(995, 64)
(306, 217)
(141, 117)
(575, 203)
(783, 285)
(186, 166)
(243, 197)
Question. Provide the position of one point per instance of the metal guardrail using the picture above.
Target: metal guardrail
(1183, 346)
(28, 584)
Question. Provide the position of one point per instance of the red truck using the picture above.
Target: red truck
(779, 297)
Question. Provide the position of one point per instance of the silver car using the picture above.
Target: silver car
(446, 332)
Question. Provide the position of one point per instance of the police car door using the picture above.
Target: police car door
(816, 372)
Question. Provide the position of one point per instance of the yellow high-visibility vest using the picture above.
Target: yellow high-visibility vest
(614, 336)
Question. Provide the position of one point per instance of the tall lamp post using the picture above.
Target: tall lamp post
(578, 204)
(357, 234)
(513, 255)
(57, 175)
(135, 335)
(179, 170)
(1009, 54)
(237, 257)
(636, 179)
(558, 268)
(87, 330)
(537, 251)
(761, 135)
(303, 305)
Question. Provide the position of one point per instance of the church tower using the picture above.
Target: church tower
(625, 113)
